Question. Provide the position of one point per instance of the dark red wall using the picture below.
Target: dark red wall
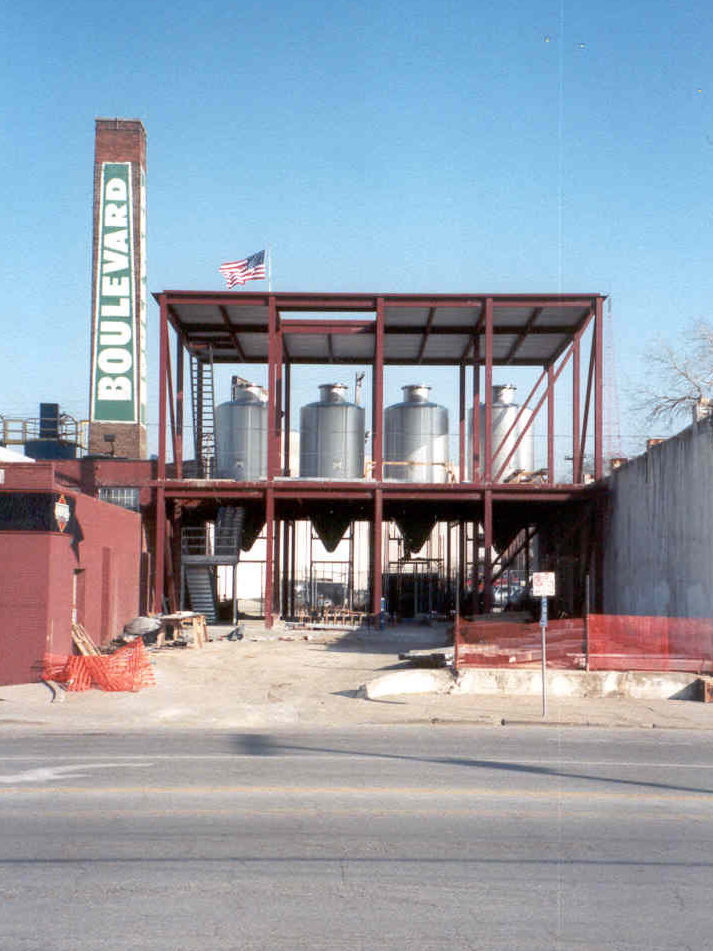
(37, 578)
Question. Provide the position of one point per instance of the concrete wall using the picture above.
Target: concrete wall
(658, 555)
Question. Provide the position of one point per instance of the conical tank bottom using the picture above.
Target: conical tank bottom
(330, 527)
(415, 530)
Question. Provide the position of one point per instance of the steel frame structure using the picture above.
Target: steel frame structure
(471, 330)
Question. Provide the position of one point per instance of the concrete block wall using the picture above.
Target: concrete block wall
(658, 555)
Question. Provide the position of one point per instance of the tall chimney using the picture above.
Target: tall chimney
(117, 399)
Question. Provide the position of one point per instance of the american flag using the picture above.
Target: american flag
(249, 269)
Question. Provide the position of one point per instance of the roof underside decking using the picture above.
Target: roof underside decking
(436, 330)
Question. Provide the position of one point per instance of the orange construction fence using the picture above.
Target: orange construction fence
(127, 669)
(597, 642)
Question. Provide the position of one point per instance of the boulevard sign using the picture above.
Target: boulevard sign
(114, 360)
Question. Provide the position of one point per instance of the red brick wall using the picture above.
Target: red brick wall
(36, 586)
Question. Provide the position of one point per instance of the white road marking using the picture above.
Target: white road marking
(45, 774)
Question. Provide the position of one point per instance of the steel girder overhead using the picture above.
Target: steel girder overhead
(478, 331)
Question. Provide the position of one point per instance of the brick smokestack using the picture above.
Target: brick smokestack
(117, 400)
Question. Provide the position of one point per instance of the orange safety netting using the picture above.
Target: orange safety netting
(598, 642)
(127, 669)
(514, 644)
(626, 642)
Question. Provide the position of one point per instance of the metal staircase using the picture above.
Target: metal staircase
(203, 405)
(200, 582)
(203, 548)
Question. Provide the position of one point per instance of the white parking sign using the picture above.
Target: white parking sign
(543, 584)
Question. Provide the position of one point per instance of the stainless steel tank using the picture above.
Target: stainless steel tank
(505, 412)
(332, 436)
(241, 434)
(416, 438)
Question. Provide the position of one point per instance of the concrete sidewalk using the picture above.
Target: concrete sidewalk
(294, 678)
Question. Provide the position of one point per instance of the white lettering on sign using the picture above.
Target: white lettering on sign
(110, 389)
(114, 366)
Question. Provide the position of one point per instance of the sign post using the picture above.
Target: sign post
(543, 587)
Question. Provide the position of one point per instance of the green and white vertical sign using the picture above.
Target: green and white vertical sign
(115, 370)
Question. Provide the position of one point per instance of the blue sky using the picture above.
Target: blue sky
(464, 146)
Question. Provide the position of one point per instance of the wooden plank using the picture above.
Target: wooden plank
(83, 641)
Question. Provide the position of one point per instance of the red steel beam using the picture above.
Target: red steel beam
(297, 327)
(180, 361)
(273, 396)
(160, 527)
(520, 412)
(287, 417)
(576, 393)
(171, 408)
(550, 424)
(269, 554)
(527, 329)
(231, 331)
(461, 424)
(531, 420)
(488, 543)
(488, 441)
(599, 391)
(475, 420)
(587, 404)
(426, 334)
(377, 421)
(376, 555)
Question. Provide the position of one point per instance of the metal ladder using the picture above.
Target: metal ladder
(203, 405)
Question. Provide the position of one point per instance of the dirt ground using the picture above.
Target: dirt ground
(281, 679)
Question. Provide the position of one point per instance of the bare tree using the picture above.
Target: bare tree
(681, 375)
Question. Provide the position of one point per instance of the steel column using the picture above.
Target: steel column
(551, 424)
(160, 527)
(377, 420)
(287, 417)
(488, 441)
(274, 356)
(376, 553)
(576, 422)
(269, 553)
(461, 424)
(180, 361)
(599, 390)
(488, 544)
(475, 434)
(276, 592)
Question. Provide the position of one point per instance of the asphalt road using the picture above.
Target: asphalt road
(376, 838)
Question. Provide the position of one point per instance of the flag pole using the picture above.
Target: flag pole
(269, 267)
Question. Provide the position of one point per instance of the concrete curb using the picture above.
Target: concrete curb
(527, 682)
